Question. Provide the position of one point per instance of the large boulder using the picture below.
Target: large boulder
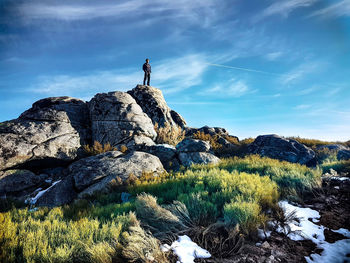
(154, 105)
(343, 152)
(51, 132)
(100, 172)
(117, 119)
(17, 183)
(166, 153)
(207, 130)
(193, 145)
(277, 147)
(189, 158)
(59, 193)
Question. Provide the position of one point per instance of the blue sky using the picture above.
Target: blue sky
(254, 67)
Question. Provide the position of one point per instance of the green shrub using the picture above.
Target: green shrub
(26, 237)
(205, 192)
(246, 214)
(326, 155)
(293, 180)
(342, 166)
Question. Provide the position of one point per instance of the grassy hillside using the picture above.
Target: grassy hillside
(238, 193)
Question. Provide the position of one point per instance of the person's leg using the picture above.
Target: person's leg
(149, 78)
(144, 79)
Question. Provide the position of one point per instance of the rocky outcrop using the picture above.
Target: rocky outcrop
(154, 105)
(117, 119)
(105, 170)
(166, 153)
(60, 193)
(277, 147)
(207, 130)
(343, 152)
(192, 151)
(98, 173)
(193, 145)
(18, 182)
(343, 155)
(189, 158)
(51, 132)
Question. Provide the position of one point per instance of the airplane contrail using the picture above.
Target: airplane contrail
(247, 69)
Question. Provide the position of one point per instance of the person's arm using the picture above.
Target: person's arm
(144, 67)
(150, 69)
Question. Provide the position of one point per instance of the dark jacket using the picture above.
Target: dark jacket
(146, 68)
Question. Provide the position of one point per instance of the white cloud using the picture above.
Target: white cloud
(307, 91)
(302, 107)
(338, 9)
(231, 88)
(172, 75)
(273, 55)
(300, 72)
(283, 8)
(143, 10)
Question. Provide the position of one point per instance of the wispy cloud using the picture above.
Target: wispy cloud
(69, 11)
(302, 107)
(283, 8)
(338, 9)
(170, 75)
(230, 88)
(307, 90)
(273, 55)
(300, 72)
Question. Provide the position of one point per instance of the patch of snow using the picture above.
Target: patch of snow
(332, 252)
(33, 200)
(340, 178)
(343, 231)
(305, 229)
(336, 187)
(186, 250)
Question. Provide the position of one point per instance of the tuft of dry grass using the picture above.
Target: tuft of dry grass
(163, 224)
(141, 246)
(169, 134)
(98, 148)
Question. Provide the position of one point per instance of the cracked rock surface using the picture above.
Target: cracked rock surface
(53, 130)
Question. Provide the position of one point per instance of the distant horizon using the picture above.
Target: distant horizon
(263, 67)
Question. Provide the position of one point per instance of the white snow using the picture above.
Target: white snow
(186, 250)
(306, 229)
(340, 178)
(33, 200)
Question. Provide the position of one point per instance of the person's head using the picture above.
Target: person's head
(147, 60)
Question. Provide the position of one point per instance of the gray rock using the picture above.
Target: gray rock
(193, 145)
(166, 153)
(335, 147)
(18, 182)
(189, 158)
(154, 105)
(343, 154)
(52, 131)
(117, 119)
(102, 171)
(207, 130)
(277, 147)
(61, 193)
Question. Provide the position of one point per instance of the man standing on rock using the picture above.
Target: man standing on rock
(147, 69)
